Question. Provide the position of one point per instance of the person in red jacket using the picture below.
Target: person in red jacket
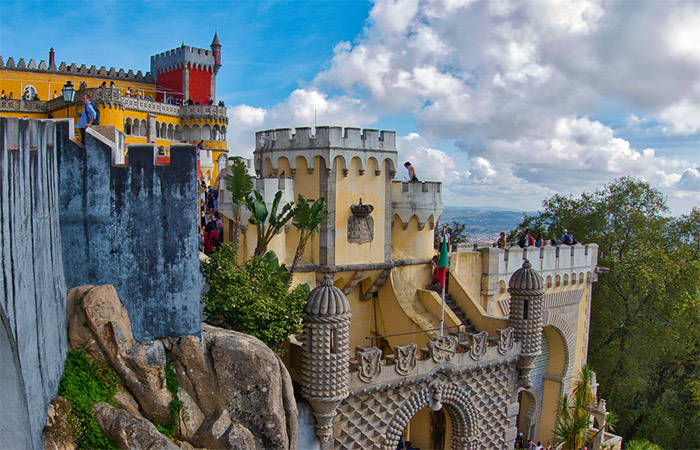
(211, 239)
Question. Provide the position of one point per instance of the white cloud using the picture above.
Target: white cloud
(303, 108)
(514, 84)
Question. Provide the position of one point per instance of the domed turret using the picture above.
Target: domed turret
(526, 289)
(325, 354)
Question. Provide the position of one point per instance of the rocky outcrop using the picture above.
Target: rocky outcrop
(128, 430)
(235, 391)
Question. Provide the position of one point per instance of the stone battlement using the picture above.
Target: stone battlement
(75, 70)
(181, 57)
(464, 351)
(325, 137)
(420, 199)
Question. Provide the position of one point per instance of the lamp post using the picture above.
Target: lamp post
(68, 93)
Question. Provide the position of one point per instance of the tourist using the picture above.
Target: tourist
(526, 240)
(86, 117)
(83, 85)
(568, 238)
(214, 193)
(539, 242)
(4, 97)
(501, 242)
(411, 171)
(111, 84)
(519, 441)
(12, 94)
(55, 94)
(539, 446)
(104, 84)
(221, 103)
(211, 239)
(218, 223)
(26, 95)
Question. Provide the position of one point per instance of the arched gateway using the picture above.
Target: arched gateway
(454, 399)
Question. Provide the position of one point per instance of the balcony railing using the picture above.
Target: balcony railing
(22, 106)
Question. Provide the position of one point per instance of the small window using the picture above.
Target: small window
(29, 92)
(526, 307)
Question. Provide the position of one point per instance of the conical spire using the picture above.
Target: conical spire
(215, 42)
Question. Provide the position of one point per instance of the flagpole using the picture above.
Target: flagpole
(444, 282)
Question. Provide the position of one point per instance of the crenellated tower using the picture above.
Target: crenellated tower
(187, 72)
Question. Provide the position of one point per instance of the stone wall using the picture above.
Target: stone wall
(133, 226)
(33, 339)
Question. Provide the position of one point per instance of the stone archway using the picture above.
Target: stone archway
(455, 400)
(529, 413)
(14, 420)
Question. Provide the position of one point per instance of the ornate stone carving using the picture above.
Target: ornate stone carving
(505, 340)
(360, 224)
(369, 361)
(406, 358)
(478, 345)
(443, 348)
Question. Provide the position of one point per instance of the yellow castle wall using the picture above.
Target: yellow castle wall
(412, 241)
(13, 80)
(349, 190)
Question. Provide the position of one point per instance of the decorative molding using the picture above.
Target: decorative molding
(443, 349)
(406, 358)
(369, 360)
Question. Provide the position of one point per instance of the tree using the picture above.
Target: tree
(457, 231)
(645, 311)
(307, 219)
(253, 298)
(574, 427)
(268, 224)
(240, 184)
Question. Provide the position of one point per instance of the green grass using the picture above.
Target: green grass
(86, 382)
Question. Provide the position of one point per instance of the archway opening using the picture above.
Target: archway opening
(428, 429)
(526, 415)
(552, 381)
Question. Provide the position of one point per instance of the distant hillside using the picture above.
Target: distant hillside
(483, 223)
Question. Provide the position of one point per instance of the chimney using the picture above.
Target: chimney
(52, 58)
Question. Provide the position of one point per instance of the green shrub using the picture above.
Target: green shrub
(86, 382)
(253, 298)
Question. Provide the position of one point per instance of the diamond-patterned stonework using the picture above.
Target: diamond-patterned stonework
(477, 401)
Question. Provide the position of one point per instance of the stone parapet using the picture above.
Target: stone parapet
(181, 57)
(461, 351)
(420, 199)
(560, 265)
(328, 143)
(203, 112)
(74, 69)
(22, 106)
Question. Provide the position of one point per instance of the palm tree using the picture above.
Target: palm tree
(307, 219)
(641, 444)
(240, 185)
(268, 224)
(574, 427)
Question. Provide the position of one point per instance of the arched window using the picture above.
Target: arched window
(157, 130)
(144, 128)
(127, 126)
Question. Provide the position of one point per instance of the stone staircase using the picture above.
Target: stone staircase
(449, 301)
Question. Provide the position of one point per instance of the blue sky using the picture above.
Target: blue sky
(506, 102)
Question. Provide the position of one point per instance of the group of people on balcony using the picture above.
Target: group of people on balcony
(6, 97)
(527, 240)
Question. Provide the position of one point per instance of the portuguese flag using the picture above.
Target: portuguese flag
(443, 261)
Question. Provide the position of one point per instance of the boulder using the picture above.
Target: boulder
(235, 391)
(58, 432)
(128, 430)
(255, 387)
(99, 323)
